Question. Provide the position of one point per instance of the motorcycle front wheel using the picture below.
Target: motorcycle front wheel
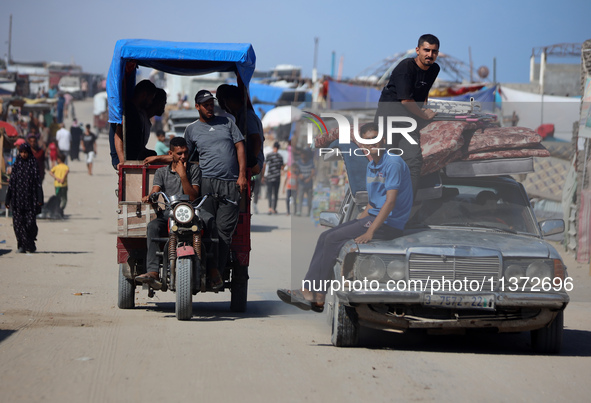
(184, 294)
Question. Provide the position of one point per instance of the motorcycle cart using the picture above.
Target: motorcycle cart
(135, 179)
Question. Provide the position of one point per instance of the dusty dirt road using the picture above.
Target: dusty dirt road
(63, 339)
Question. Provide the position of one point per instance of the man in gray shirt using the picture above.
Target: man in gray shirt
(218, 145)
(180, 177)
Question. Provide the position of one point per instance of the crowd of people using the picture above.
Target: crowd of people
(293, 176)
(41, 149)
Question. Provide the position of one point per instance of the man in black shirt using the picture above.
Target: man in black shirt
(405, 94)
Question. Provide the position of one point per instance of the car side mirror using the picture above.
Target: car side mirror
(330, 219)
(551, 227)
(361, 198)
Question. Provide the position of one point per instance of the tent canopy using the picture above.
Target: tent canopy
(181, 58)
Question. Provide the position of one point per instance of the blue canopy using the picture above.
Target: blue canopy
(181, 58)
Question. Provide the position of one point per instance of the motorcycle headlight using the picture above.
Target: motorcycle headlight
(183, 213)
(370, 267)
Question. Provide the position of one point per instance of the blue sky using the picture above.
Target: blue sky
(283, 32)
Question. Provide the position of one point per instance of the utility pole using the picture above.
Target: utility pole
(315, 71)
(10, 40)
(471, 65)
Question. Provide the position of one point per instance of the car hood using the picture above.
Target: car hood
(509, 245)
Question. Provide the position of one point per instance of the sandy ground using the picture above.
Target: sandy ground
(62, 338)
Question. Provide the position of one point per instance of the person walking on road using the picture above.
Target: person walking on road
(25, 197)
(274, 163)
(60, 176)
(88, 143)
(306, 173)
(64, 141)
(290, 187)
(76, 133)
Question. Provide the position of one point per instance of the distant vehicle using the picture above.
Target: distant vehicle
(71, 85)
(100, 111)
(179, 119)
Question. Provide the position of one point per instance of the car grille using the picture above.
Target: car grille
(428, 267)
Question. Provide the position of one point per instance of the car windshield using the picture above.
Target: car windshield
(494, 206)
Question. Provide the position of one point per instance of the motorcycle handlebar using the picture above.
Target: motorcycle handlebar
(217, 197)
(154, 199)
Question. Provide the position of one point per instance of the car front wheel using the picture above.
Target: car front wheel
(548, 340)
(345, 329)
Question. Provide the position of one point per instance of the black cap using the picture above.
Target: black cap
(203, 96)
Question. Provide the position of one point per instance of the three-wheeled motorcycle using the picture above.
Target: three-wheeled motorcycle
(135, 180)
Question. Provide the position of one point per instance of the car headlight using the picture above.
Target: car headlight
(183, 213)
(527, 269)
(540, 270)
(370, 267)
(514, 271)
(397, 268)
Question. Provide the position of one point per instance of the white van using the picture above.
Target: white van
(71, 85)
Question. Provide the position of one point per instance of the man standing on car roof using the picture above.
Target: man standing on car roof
(405, 94)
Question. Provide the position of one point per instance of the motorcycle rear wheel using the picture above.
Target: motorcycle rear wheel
(239, 289)
(184, 294)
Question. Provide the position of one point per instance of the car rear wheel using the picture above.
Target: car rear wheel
(548, 340)
(126, 291)
(345, 329)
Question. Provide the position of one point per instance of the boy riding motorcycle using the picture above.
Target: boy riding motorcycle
(178, 178)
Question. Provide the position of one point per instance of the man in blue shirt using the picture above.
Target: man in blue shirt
(390, 199)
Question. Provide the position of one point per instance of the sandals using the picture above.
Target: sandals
(152, 280)
(215, 283)
(297, 299)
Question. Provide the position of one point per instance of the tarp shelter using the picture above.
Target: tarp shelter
(350, 96)
(534, 110)
(265, 97)
(485, 95)
(182, 58)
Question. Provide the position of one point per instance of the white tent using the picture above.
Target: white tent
(534, 110)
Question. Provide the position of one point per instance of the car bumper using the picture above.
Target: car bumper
(541, 309)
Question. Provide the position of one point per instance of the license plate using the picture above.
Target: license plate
(459, 301)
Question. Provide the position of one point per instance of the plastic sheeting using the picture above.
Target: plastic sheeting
(486, 96)
(264, 97)
(349, 96)
(182, 58)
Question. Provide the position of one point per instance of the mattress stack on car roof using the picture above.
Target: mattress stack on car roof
(480, 150)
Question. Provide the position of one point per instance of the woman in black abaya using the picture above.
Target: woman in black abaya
(25, 198)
